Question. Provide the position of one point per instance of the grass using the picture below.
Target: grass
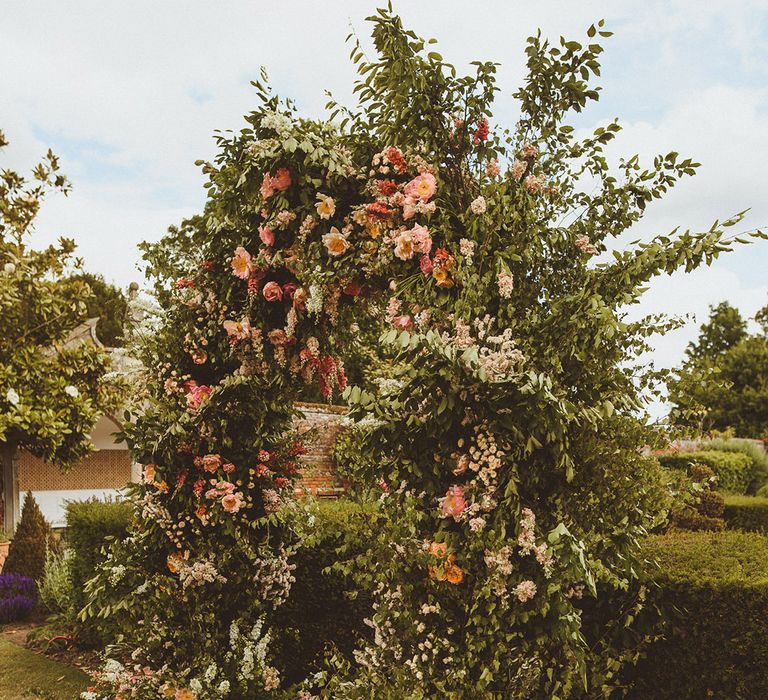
(28, 676)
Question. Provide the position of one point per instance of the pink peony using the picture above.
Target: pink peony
(421, 187)
(272, 291)
(241, 263)
(453, 503)
(267, 235)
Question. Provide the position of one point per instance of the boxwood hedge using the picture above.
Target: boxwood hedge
(713, 589)
(733, 469)
(748, 513)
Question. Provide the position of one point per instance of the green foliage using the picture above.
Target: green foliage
(725, 329)
(91, 525)
(509, 427)
(325, 610)
(50, 394)
(749, 513)
(725, 384)
(55, 589)
(31, 541)
(713, 588)
(756, 452)
(110, 305)
(734, 470)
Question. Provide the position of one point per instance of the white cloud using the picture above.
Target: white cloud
(131, 93)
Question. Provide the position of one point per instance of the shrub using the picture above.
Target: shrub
(33, 538)
(18, 597)
(324, 611)
(713, 589)
(748, 513)
(90, 525)
(754, 450)
(733, 469)
(56, 591)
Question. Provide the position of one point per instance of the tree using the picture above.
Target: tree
(51, 394)
(725, 329)
(509, 437)
(108, 303)
(723, 382)
(33, 538)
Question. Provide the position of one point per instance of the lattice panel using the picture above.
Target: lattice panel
(105, 469)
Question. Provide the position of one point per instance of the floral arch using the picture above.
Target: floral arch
(507, 439)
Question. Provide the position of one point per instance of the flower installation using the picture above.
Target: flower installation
(507, 442)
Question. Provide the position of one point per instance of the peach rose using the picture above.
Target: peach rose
(422, 241)
(211, 463)
(266, 189)
(232, 502)
(149, 473)
(272, 291)
(442, 277)
(281, 180)
(325, 206)
(404, 245)
(336, 242)
(453, 503)
(238, 330)
(241, 263)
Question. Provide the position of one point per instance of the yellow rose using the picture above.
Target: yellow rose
(442, 277)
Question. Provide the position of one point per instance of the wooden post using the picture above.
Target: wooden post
(10, 487)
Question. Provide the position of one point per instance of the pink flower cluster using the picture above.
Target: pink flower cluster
(278, 182)
(196, 394)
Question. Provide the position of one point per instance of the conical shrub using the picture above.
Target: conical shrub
(33, 536)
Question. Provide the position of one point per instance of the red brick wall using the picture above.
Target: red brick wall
(321, 424)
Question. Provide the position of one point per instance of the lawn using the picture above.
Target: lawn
(25, 675)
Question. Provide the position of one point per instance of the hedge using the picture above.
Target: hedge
(89, 524)
(733, 469)
(323, 611)
(754, 450)
(748, 513)
(713, 589)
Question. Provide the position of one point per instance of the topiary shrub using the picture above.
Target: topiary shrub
(733, 469)
(754, 450)
(90, 525)
(749, 513)
(696, 506)
(713, 589)
(325, 611)
(33, 537)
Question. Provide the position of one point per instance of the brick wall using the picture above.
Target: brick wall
(321, 424)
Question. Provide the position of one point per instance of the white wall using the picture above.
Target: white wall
(53, 503)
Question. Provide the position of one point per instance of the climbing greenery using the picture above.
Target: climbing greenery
(504, 434)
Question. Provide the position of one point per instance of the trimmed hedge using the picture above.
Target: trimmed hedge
(713, 589)
(733, 469)
(320, 613)
(754, 450)
(748, 513)
(89, 524)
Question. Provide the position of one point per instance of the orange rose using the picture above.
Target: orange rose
(442, 277)
(454, 574)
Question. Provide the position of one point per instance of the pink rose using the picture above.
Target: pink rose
(426, 265)
(272, 291)
(266, 187)
(421, 187)
(289, 289)
(421, 239)
(453, 503)
(267, 235)
(282, 179)
(196, 394)
(404, 323)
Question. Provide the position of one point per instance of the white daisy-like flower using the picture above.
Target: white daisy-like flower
(72, 391)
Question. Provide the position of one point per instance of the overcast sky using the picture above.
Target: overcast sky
(129, 93)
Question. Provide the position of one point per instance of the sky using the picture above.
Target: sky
(130, 93)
